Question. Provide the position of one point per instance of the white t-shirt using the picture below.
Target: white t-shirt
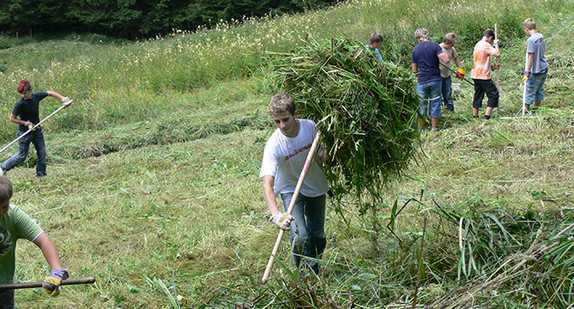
(284, 158)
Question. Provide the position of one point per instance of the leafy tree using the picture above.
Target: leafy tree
(136, 18)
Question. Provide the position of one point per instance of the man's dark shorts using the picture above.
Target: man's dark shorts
(481, 87)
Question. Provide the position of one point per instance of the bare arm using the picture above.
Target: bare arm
(530, 61)
(415, 67)
(269, 194)
(55, 95)
(496, 52)
(14, 119)
(49, 250)
(457, 61)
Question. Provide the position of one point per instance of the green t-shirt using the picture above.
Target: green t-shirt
(14, 225)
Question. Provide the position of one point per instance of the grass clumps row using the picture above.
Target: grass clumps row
(85, 145)
(364, 108)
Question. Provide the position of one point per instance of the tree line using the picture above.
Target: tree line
(135, 18)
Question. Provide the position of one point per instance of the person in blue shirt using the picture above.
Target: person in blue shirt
(374, 43)
(536, 68)
(26, 114)
(425, 64)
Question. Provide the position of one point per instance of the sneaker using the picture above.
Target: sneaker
(2, 171)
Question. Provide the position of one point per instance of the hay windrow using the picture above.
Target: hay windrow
(365, 109)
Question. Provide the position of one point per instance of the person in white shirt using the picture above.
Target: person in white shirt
(283, 159)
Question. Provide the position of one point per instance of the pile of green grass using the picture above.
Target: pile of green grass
(364, 108)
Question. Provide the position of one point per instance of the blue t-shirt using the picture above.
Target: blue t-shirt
(425, 55)
(29, 110)
(377, 52)
(535, 45)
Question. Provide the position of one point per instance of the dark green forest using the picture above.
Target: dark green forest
(135, 18)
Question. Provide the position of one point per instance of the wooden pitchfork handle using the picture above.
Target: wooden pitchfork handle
(35, 126)
(292, 204)
(27, 285)
(453, 71)
(497, 71)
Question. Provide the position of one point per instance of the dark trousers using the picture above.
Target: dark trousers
(482, 86)
(7, 299)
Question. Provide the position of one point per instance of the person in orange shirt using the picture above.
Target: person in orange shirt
(480, 73)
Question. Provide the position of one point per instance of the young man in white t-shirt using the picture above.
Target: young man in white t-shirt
(283, 159)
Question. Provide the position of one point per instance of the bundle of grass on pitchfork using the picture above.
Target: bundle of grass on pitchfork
(366, 110)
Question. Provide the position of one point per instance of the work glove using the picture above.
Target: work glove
(495, 66)
(30, 126)
(52, 283)
(496, 43)
(66, 101)
(526, 76)
(460, 73)
(282, 220)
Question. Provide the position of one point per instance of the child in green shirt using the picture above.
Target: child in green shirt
(16, 224)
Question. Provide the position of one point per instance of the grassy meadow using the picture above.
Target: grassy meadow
(153, 184)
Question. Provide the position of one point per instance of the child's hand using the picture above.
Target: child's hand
(282, 220)
(460, 73)
(526, 76)
(30, 125)
(52, 283)
(66, 101)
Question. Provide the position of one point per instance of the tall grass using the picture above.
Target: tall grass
(117, 82)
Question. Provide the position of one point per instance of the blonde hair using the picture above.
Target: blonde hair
(450, 38)
(421, 33)
(282, 103)
(529, 24)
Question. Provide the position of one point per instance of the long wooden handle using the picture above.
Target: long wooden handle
(292, 203)
(27, 285)
(453, 71)
(497, 71)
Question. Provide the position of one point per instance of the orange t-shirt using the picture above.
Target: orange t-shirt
(482, 52)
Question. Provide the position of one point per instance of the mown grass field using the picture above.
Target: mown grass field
(153, 172)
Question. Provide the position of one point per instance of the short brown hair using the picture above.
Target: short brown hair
(529, 23)
(450, 38)
(6, 189)
(282, 103)
(375, 38)
(488, 33)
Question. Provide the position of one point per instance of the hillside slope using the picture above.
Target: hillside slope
(153, 175)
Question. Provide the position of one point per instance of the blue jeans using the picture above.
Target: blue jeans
(447, 93)
(36, 138)
(308, 229)
(535, 87)
(429, 93)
